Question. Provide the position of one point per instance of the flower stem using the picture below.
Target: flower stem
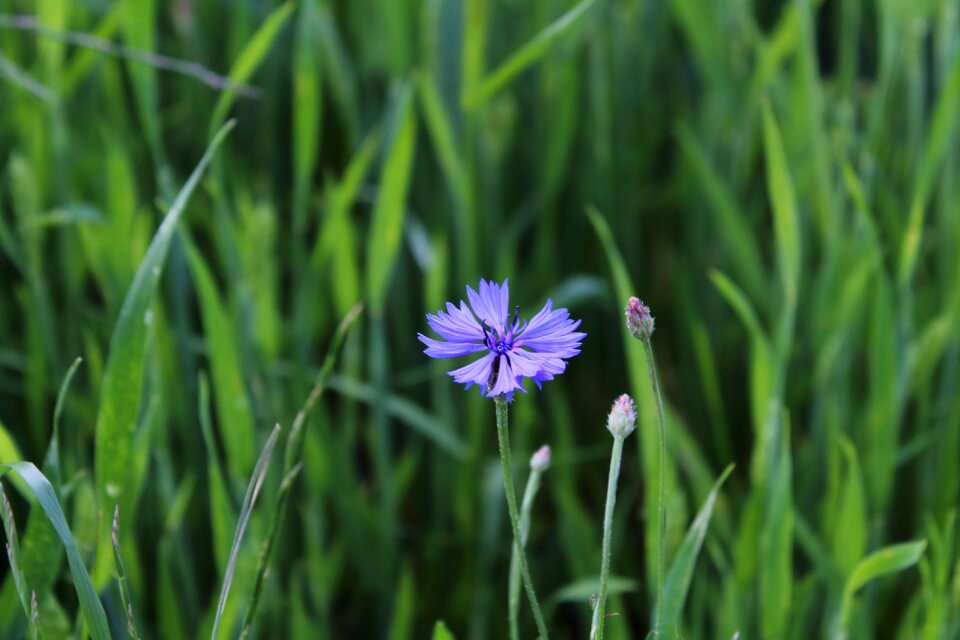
(503, 436)
(661, 511)
(596, 629)
(526, 506)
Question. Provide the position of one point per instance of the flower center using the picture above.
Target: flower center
(502, 344)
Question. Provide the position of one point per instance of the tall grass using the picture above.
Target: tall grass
(778, 180)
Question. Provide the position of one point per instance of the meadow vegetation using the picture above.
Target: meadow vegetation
(222, 225)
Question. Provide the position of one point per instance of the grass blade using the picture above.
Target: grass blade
(125, 596)
(776, 537)
(13, 554)
(441, 632)
(677, 582)
(249, 60)
(293, 461)
(888, 560)
(784, 204)
(421, 421)
(253, 490)
(90, 607)
(122, 379)
(526, 55)
(230, 393)
(388, 214)
(941, 133)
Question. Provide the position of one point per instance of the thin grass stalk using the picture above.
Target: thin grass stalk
(503, 437)
(253, 490)
(293, 462)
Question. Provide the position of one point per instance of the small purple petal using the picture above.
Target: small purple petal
(490, 304)
(507, 381)
(551, 331)
(438, 349)
(457, 324)
(475, 373)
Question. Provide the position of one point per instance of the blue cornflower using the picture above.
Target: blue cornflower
(514, 350)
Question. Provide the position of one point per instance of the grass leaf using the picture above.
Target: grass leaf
(526, 55)
(888, 560)
(253, 490)
(677, 582)
(90, 607)
(387, 226)
(120, 390)
(250, 58)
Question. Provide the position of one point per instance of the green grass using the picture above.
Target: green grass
(777, 180)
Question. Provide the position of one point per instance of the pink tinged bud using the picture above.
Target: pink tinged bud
(639, 319)
(623, 417)
(540, 461)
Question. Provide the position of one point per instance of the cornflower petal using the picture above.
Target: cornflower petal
(490, 304)
(438, 349)
(551, 331)
(457, 324)
(507, 381)
(475, 373)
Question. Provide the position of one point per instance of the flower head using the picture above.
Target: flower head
(513, 350)
(623, 417)
(541, 459)
(639, 320)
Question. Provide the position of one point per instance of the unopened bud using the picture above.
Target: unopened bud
(540, 461)
(623, 417)
(639, 320)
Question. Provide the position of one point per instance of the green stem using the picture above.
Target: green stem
(596, 629)
(503, 436)
(526, 506)
(661, 511)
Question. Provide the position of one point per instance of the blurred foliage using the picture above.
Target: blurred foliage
(777, 180)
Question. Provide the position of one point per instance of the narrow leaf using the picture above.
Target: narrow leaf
(90, 607)
(253, 490)
(783, 201)
(677, 582)
(249, 60)
(388, 214)
(526, 55)
(122, 379)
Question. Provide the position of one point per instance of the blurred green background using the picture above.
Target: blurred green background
(777, 180)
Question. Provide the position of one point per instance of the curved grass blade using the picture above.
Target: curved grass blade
(646, 402)
(880, 563)
(51, 462)
(253, 490)
(13, 555)
(122, 379)
(678, 579)
(249, 59)
(526, 55)
(90, 606)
